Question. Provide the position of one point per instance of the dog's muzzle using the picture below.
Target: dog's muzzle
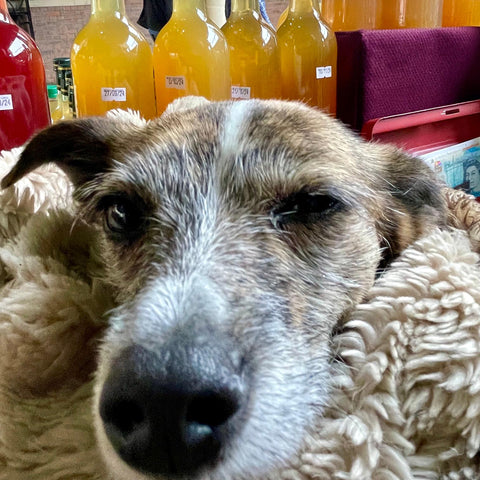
(173, 412)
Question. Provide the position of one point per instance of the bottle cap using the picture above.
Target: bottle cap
(52, 91)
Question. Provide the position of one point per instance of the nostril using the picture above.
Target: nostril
(125, 416)
(205, 414)
(212, 408)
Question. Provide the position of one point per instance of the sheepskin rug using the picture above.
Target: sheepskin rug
(406, 397)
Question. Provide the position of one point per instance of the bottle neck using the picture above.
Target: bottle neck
(108, 7)
(242, 5)
(303, 6)
(188, 7)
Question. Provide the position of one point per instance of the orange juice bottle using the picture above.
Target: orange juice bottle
(411, 13)
(344, 15)
(112, 64)
(308, 57)
(459, 13)
(254, 57)
(190, 56)
(284, 14)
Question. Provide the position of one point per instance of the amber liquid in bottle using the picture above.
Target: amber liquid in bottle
(254, 55)
(344, 15)
(308, 57)
(24, 105)
(112, 64)
(284, 14)
(460, 13)
(411, 13)
(190, 56)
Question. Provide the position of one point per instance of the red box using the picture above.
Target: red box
(432, 131)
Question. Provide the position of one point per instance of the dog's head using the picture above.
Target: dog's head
(238, 237)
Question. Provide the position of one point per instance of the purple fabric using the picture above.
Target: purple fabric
(387, 72)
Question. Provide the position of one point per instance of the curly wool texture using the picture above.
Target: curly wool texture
(408, 406)
(406, 398)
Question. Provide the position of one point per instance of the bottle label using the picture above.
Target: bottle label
(324, 72)
(177, 82)
(241, 92)
(6, 102)
(114, 94)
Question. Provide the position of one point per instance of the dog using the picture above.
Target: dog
(237, 236)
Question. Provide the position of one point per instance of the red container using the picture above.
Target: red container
(427, 130)
(23, 91)
(446, 138)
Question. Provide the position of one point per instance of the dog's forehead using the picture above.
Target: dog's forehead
(260, 145)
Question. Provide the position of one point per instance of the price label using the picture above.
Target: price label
(6, 102)
(177, 82)
(324, 72)
(114, 94)
(241, 92)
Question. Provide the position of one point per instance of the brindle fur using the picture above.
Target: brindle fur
(210, 258)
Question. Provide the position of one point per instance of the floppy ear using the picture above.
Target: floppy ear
(413, 205)
(80, 147)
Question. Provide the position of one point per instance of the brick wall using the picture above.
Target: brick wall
(56, 27)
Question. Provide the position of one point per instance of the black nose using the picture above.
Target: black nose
(172, 413)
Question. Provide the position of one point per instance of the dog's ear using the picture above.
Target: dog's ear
(412, 202)
(80, 147)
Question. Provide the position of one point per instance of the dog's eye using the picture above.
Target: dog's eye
(117, 217)
(303, 208)
(122, 217)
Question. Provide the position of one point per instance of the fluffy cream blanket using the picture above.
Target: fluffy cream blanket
(405, 404)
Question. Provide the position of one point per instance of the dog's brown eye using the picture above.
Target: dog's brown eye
(122, 217)
(117, 217)
(303, 208)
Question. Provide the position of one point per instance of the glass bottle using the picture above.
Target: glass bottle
(58, 112)
(62, 65)
(52, 93)
(461, 13)
(216, 11)
(23, 88)
(112, 64)
(283, 15)
(254, 56)
(343, 15)
(190, 56)
(308, 57)
(70, 92)
(411, 13)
